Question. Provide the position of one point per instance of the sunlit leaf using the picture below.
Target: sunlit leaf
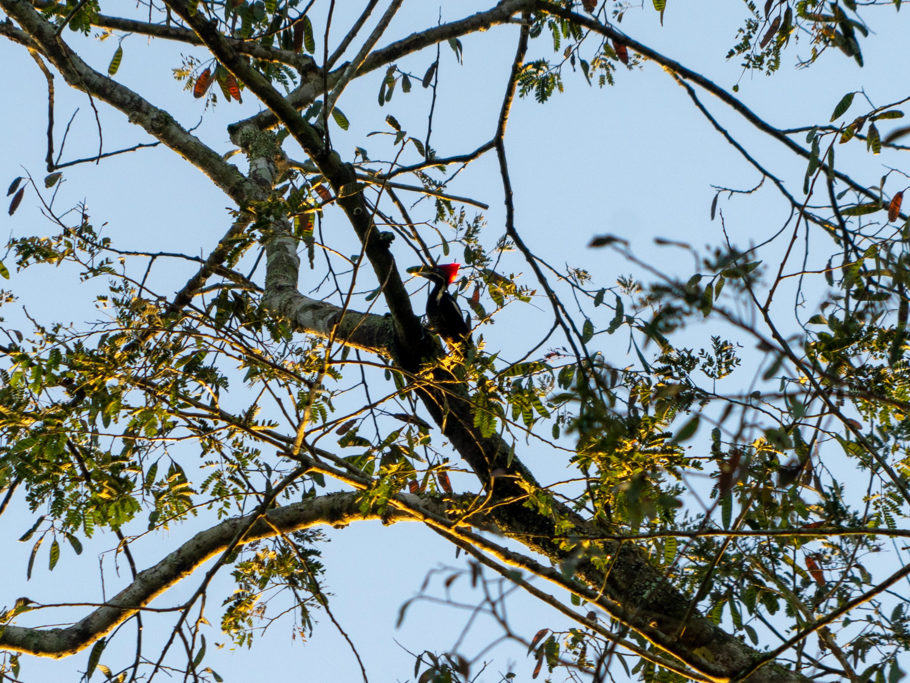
(873, 141)
(309, 42)
(861, 209)
(339, 118)
(115, 61)
(54, 556)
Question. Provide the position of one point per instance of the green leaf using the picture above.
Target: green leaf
(28, 534)
(741, 270)
(688, 430)
(197, 660)
(4, 273)
(54, 555)
(75, 542)
(735, 614)
(890, 114)
(308, 41)
(617, 318)
(873, 140)
(717, 612)
(843, 105)
(115, 61)
(861, 209)
(669, 549)
(726, 510)
(428, 76)
(641, 356)
(150, 475)
(707, 300)
(13, 186)
(660, 5)
(773, 368)
(94, 656)
(51, 180)
(455, 44)
(587, 331)
(340, 118)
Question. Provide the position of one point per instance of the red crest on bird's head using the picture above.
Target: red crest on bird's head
(450, 270)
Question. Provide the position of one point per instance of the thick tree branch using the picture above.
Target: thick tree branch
(339, 174)
(632, 590)
(369, 332)
(17, 35)
(303, 63)
(336, 509)
(156, 122)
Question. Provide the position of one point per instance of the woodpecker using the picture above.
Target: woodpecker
(443, 313)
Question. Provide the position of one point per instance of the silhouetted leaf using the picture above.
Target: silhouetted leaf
(428, 76)
(17, 199)
(842, 106)
(94, 656)
(772, 30)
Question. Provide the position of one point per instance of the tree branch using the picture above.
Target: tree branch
(336, 509)
(366, 331)
(307, 93)
(339, 174)
(156, 122)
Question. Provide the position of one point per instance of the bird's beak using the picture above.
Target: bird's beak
(421, 271)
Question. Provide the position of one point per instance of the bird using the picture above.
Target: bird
(443, 314)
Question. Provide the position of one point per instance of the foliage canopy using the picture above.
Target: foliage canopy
(725, 474)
